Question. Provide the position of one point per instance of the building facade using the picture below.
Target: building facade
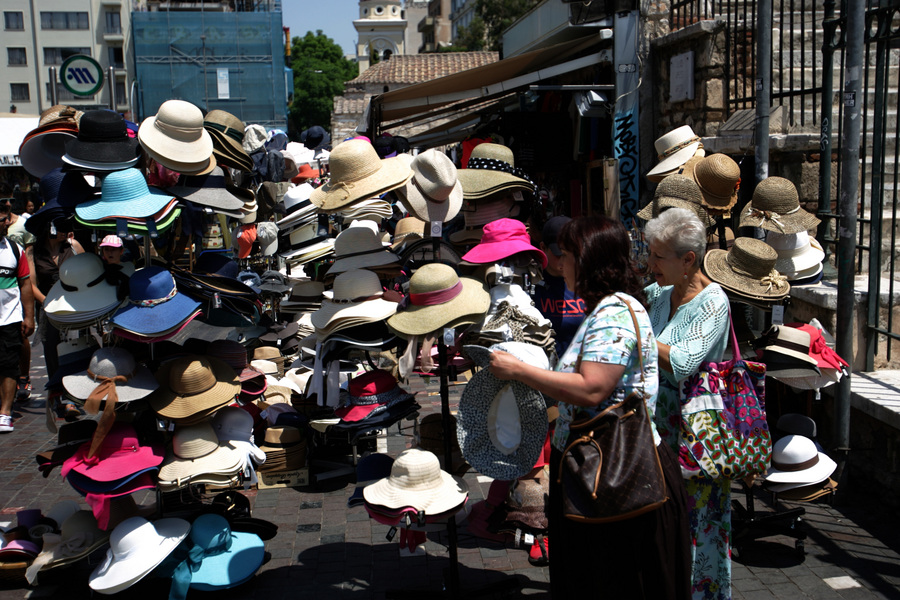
(461, 14)
(435, 29)
(381, 28)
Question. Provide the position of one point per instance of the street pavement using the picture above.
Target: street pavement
(324, 550)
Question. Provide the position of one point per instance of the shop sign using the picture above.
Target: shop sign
(81, 75)
(10, 160)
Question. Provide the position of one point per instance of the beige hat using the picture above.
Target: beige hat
(193, 384)
(719, 179)
(434, 193)
(176, 139)
(674, 149)
(747, 269)
(417, 480)
(491, 169)
(195, 451)
(358, 173)
(359, 247)
(677, 191)
(775, 206)
(357, 297)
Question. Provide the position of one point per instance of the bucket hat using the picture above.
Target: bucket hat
(112, 368)
(196, 450)
(748, 269)
(227, 134)
(102, 140)
(124, 194)
(137, 546)
(176, 139)
(491, 169)
(719, 179)
(370, 394)
(434, 193)
(673, 150)
(255, 137)
(192, 384)
(357, 298)
(796, 252)
(500, 240)
(84, 286)
(437, 296)
(357, 173)
(775, 206)
(119, 455)
(417, 481)
(155, 303)
(502, 425)
(359, 248)
(677, 191)
(795, 459)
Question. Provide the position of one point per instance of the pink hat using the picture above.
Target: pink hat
(501, 239)
(375, 390)
(120, 455)
(111, 241)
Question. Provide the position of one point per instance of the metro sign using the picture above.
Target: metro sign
(81, 75)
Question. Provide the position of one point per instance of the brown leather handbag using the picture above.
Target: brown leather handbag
(610, 470)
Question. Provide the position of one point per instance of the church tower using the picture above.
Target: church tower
(381, 28)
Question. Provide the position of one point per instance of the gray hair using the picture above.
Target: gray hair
(681, 230)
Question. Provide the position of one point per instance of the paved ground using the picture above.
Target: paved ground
(324, 550)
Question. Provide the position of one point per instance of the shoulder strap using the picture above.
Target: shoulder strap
(637, 332)
(14, 247)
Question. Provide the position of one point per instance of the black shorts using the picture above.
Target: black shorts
(10, 348)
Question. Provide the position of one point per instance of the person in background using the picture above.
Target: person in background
(18, 215)
(112, 249)
(689, 313)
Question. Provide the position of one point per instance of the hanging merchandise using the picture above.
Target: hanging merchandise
(213, 191)
(747, 271)
(417, 481)
(502, 239)
(176, 139)
(227, 134)
(434, 193)
(87, 291)
(677, 191)
(674, 149)
(719, 179)
(156, 308)
(103, 143)
(358, 247)
(491, 169)
(43, 147)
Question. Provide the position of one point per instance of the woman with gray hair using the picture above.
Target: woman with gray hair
(689, 314)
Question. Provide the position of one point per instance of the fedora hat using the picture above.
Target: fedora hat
(370, 394)
(434, 193)
(213, 190)
(357, 173)
(502, 425)
(357, 298)
(154, 303)
(501, 239)
(176, 139)
(719, 179)
(437, 296)
(83, 287)
(196, 451)
(797, 252)
(775, 206)
(124, 194)
(102, 140)
(748, 269)
(192, 384)
(115, 367)
(795, 459)
(227, 134)
(491, 169)
(677, 191)
(673, 150)
(359, 248)
(118, 456)
(297, 207)
(417, 481)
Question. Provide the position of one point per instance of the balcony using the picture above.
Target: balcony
(113, 35)
(111, 3)
(426, 24)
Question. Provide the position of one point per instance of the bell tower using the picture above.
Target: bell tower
(381, 30)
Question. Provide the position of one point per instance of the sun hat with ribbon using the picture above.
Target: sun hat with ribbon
(748, 269)
(501, 239)
(795, 459)
(196, 450)
(120, 455)
(193, 384)
(357, 298)
(437, 296)
(492, 169)
(719, 179)
(176, 139)
(370, 394)
(137, 546)
(673, 150)
(797, 252)
(154, 303)
(79, 535)
(102, 140)
(677, 191)
(358, 173)
(775, 206)
(502, 425)
(124, 194)
(112, 374)
(227, 134)
(407, 230)
(417, 481)
(359, 248)
(434, 193)
(44, 146)
(83, 286)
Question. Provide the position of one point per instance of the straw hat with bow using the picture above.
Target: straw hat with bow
(775, 206)
(747, 269)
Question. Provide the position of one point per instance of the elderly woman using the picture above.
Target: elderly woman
(646, 557)
(690, 319)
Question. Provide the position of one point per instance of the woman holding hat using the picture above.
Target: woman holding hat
(689, 313)
(646, 556)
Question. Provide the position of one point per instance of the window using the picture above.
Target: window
(63, 94)
(18, 92)
(13, 21)
(121, 97)
(64, 20)
(116, 57)
(16, 56)
(56, 56)
(113, 22)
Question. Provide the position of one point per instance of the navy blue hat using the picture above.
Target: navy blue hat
(155, 305)
(369, 468)
(217, 263)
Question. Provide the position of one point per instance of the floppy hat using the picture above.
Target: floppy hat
(114, 368)
(154, 303)
(227, 134)
(176, 139)
(491, 169)
(775, 206)
(437, 296)
(124, 194)
(502, 425)
(119, 455)
(304, 173)
(747, 268)
(358, 295)
(102, 139)
(83, 286)
(370, 394)
(44, 146)
(795, 459)
(196, 451)
(673, 150)
(267, 236)
(719, 179)
(417, 481)
(358, 248)
(357, 173)
(192, 384)
(137, 546)
(501, 239)
(677, 191)
(79, 535)
(434, 193)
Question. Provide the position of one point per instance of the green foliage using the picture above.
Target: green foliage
(498, 15)
(320, 71)
(471, 38)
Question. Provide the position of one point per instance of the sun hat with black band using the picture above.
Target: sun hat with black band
(102, 141)
(775, 206)
(196, 450)
(795, 459)
(192, 384)
(176, 139)
(491, 169)
(748, 269)
(227, 134)
(677, 191)
(673, 150)
(85, 285)
(358, 297)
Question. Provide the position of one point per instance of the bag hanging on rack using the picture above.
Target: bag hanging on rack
(724, 433)
(610, 470)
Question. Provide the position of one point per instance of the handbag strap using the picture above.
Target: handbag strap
(735, 347)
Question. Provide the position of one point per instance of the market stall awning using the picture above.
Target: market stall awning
(13, 129)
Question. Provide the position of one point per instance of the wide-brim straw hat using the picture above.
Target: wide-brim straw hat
(408, 229)
(434, 193)
(775, 206)
(196, 450)
(492, 169)
(673, 150)
(124, 194)
(795, 459)
(192, 384)
(176, 139)
(719, 179)
(359, 248)
(677, 191)
(438, 296)
(108, 363)
(417, 481)
(227, 134)
(747, 268)
(357, 295)
(358, 173)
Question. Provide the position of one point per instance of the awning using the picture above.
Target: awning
(13, 129)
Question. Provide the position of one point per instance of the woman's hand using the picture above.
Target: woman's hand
(504, 365)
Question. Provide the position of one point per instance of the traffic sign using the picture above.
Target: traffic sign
(81, 75)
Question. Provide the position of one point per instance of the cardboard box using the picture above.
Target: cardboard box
(282, 479)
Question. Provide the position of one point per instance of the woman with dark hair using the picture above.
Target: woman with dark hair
(646, 557)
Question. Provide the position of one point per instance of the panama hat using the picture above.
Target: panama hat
(116, 367)
(502, 425)
(775, 206)
(434, 193)
(501, 239)
(192, 384)
(417, 481)
(357, 298)
(719, 179)
(795, 459)
(437, 296)
(796, 252)
(677, 191)
(83, 286)
(119, 455)
(673, 150)
(176, 139)
(137, 546)
(359, 248)
(196, 451)
(155, 303)
(492, 169)
(747, 268)
(357, 173)
(227, 134)
(124, 194)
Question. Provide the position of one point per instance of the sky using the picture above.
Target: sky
(333, 17)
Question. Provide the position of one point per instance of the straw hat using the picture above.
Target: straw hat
(195, 451)
(357, 296)
(775, 206)
(677, 191)
(408, 229)
(748, 269)
(491, 169)
(417, 481)
(358, 173)
(359, 248)
(434, 193)
(795, 459)
(719, 179)
(193, 384)
(227, 134)
(176, 139)
(673, 150)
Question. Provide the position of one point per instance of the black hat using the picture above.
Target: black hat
(550, 233)
(102, 143)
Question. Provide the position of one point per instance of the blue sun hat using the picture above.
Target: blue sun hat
(124, 194)
(155, 304)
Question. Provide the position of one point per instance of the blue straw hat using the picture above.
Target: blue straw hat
(155, 304)
(124, 194)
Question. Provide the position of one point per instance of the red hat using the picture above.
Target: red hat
(371, 392)
(119, 455)
(501, 239)
(819, 350)
(305, 172)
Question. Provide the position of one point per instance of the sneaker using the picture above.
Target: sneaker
(23, 389)
(6, 425)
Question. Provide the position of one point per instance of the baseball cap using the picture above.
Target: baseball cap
(111, 241)
(267, 235)
(551, 231)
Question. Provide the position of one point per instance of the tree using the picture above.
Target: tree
(471, 37)
(498, 15)
(320, 71)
